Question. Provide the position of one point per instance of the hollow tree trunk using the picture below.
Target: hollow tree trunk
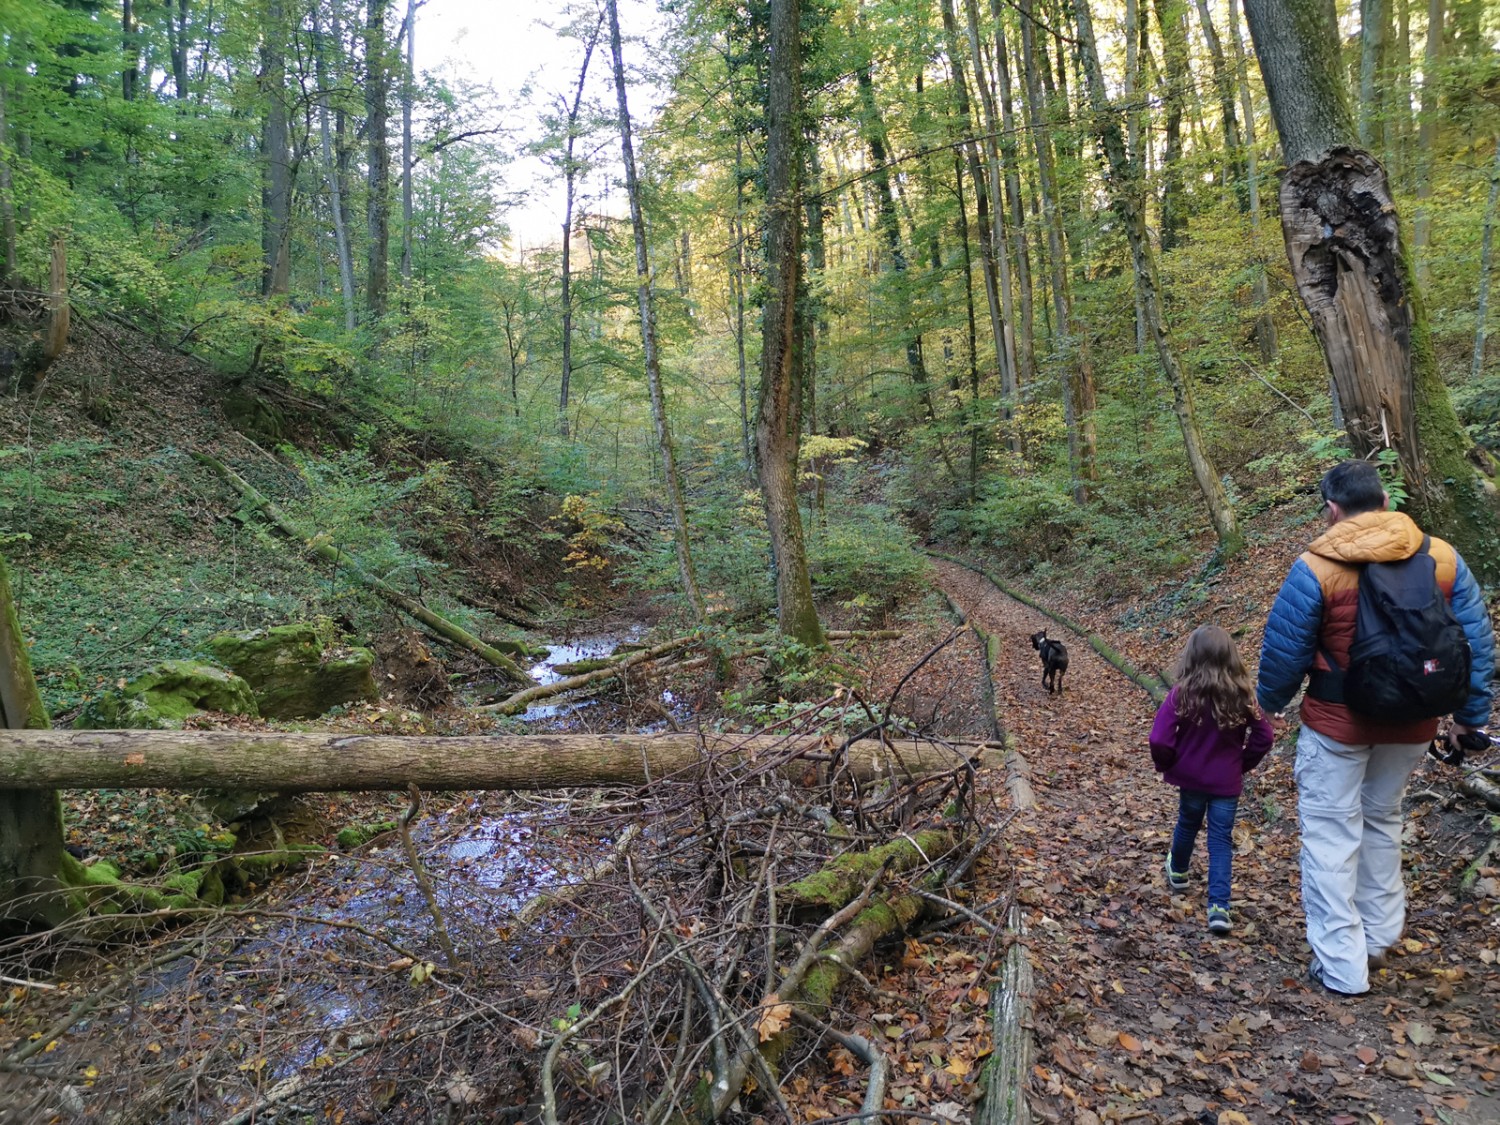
(1127, 193)
(1343, 240)
(36, 761)
(778, 418)
(31, 828)
(672, 480)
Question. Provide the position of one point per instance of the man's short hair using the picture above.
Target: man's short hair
(1355, 487)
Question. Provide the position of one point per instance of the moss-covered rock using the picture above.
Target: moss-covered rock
(161, 698)
(358, 834)
(293, 670)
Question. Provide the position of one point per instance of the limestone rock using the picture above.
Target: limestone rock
(294, 673)
(161, 698)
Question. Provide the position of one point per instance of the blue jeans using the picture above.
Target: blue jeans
(1192, 808)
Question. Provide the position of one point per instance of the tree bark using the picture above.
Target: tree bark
(59, 305)
(1374, 17)
(408, 95)
(378, 172)
(1170, 17)
(1343, 241)
(672, 480)
(1068, 335)
(981, 197)
(130, 70)
(1234, 154)
(301, 762)
(31, 827)
(177, 33)
(1486, 248)
(1010, 158)
(778, 417)
(331, 178)
(276, 161)
(737, 282)
(1265, 324)
(1427, 134)
(570, 185)
(7, 201)
(1127, 197)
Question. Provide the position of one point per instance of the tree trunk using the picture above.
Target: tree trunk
(335, 188)
(1482, 304)
(1343, 241)
(1170, 17)
(1005, 344)
(31, 828)
(408, 95)
(737, 282)
(130, 70)
(7, 201)
(1265, 324)
(59, 306)
(778, 417)
(1068, 336)
(981, 197)
(890, 226)
(276, 166)
(1374, 16)
(312, 762)
(570, 183)
(1234, 156)
(177, 33)
(1127, 197)
(685, 570)
(377, 202)
(1427, 133)
(1026, 321)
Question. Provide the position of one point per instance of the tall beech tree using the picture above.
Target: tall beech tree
(1127, 195)
(1354, 274)
(685, 569)
(778, 422)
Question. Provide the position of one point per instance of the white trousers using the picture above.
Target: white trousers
(1349, 808)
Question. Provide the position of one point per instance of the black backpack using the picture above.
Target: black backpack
(1410, 658)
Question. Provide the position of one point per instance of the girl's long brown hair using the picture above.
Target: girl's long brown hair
(1212, 681)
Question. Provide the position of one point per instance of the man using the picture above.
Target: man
(1351, 770)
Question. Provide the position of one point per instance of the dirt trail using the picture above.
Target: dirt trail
(1141, 1013)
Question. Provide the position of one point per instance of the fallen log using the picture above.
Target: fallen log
(298, 762)
(322, 547)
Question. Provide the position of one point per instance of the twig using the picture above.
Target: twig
(864, 1050)
(421, 875)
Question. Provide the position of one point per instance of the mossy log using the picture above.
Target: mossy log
(1477, 786)
(1007, 1074)
(297, 762)
(840, 881)
(320, 546)
(1152, 685)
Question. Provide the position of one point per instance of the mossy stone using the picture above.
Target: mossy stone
(161, 698)
(294, 672)
(251, 414)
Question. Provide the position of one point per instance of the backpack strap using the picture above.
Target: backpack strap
(1327, 686)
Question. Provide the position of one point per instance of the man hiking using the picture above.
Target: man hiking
(1377, 661)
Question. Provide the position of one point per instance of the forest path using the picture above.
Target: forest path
(1141, 1014)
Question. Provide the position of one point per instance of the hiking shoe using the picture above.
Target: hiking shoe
(1315, 974)
(1176, 881)
(1218, 920)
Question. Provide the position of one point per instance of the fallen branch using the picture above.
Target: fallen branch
(424, 884)
(322, 547)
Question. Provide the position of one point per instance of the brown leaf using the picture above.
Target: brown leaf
(1366, 1055)
(773, 1019)
(1130, 1043)
(1311, 1062)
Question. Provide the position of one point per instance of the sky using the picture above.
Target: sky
(508, 44)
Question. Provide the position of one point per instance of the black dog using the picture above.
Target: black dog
(1054, 661)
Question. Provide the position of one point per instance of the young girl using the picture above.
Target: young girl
(1207, 735)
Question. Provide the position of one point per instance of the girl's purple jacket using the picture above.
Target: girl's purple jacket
(1203, 758)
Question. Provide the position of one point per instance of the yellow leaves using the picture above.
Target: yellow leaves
(774, 1018)
(1233, 1117)
(1130, 1043)
(958, 1067)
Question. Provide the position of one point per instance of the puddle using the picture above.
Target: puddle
(570, 652)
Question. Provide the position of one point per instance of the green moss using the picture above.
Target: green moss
(839, 881)
(295, 670)
(161, 698)
(357, 834)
